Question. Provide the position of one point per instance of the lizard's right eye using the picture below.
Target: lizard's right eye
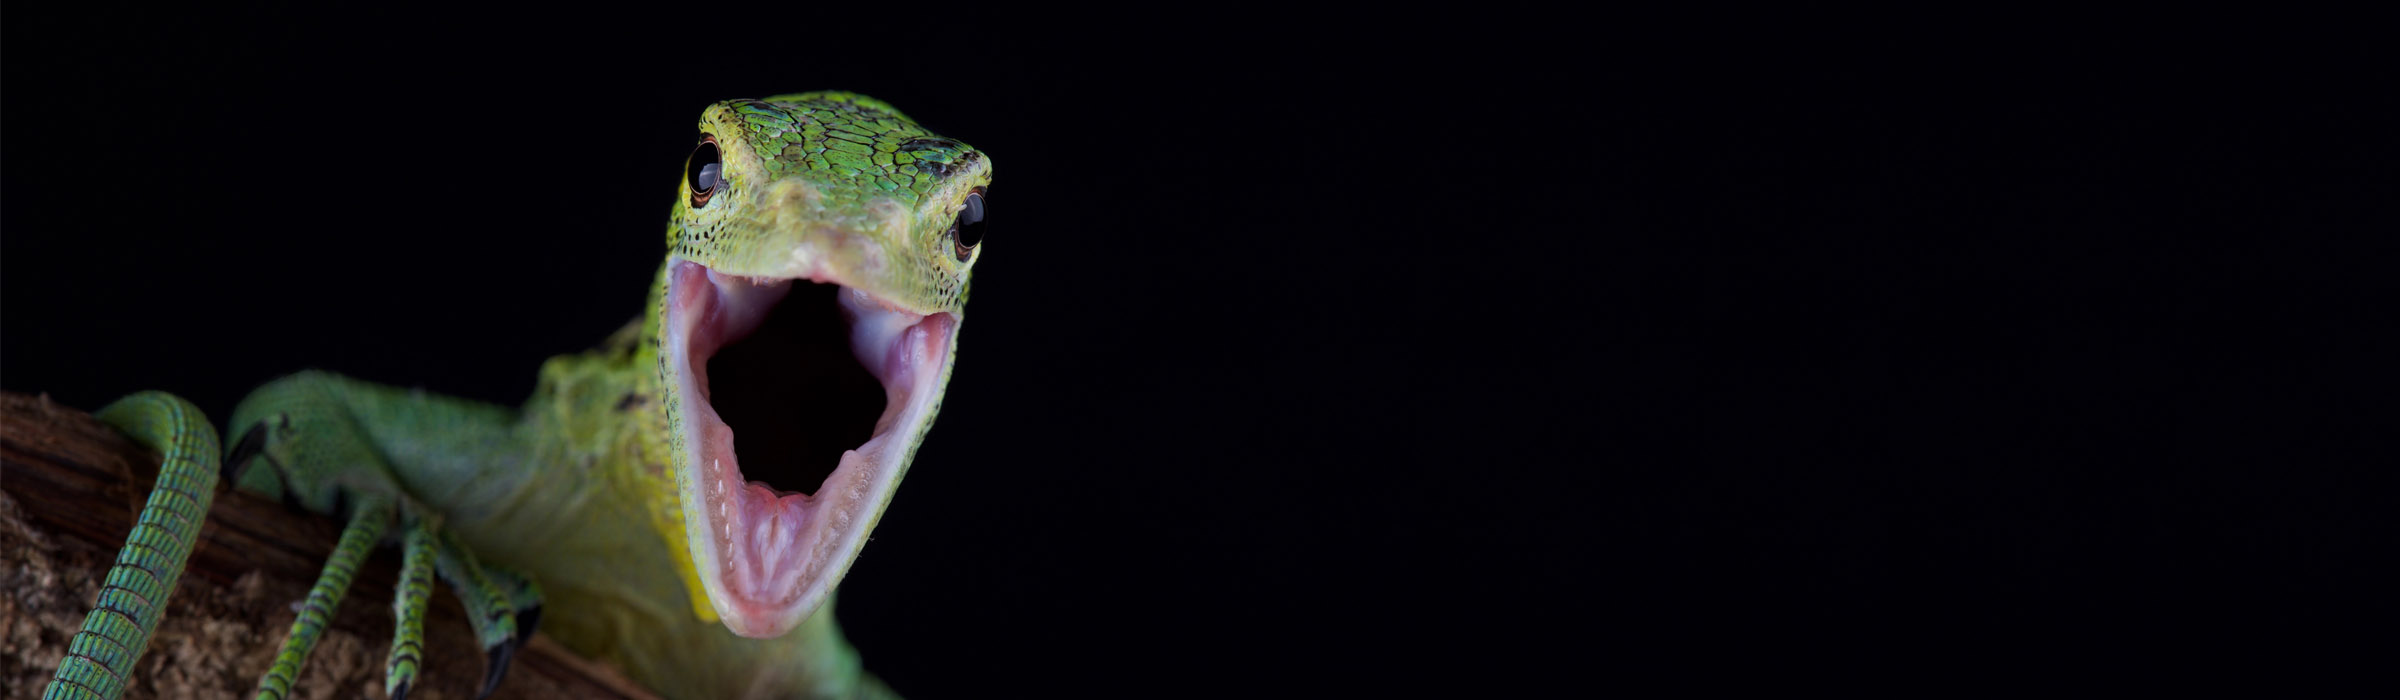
(704, 171)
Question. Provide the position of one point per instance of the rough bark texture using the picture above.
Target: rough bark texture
(68, 489)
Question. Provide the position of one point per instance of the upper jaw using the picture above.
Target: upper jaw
(801, 236)
(768, 558)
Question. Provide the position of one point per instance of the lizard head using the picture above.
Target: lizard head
(827, 199)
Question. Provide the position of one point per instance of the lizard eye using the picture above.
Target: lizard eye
(967, 230)
(704, 172)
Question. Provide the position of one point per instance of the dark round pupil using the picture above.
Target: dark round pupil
(703, 169)
(970, 221)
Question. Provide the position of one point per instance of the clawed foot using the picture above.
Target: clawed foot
(503, 607)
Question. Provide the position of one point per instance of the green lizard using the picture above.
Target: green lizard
(613, 499)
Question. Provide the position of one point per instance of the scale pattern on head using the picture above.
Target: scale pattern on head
(877, 194)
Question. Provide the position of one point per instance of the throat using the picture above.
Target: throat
(792, 392)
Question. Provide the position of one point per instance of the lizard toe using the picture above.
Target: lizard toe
(495, 665)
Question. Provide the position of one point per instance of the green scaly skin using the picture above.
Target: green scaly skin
(135, 593)
(408, 610)
(366, 526)
(815, 187)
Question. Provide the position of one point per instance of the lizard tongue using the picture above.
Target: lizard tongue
(768, 557)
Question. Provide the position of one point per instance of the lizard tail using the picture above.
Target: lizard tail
(135, 594)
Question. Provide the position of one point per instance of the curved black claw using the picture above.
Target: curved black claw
(495, 665)
(252, 444)
(527, 619)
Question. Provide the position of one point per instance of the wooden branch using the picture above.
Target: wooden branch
(69, 487)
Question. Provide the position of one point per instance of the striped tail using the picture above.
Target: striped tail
(118, 629)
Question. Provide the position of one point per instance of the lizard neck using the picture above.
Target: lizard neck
(601, 409)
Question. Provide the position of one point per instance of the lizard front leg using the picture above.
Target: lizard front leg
(312, 440)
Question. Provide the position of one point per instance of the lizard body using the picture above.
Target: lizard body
(611, 508)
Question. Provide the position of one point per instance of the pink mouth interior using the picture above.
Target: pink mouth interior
(773, 548)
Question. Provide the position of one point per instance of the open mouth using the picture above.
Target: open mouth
(768, 557)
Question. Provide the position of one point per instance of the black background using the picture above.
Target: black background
(1403, 358)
